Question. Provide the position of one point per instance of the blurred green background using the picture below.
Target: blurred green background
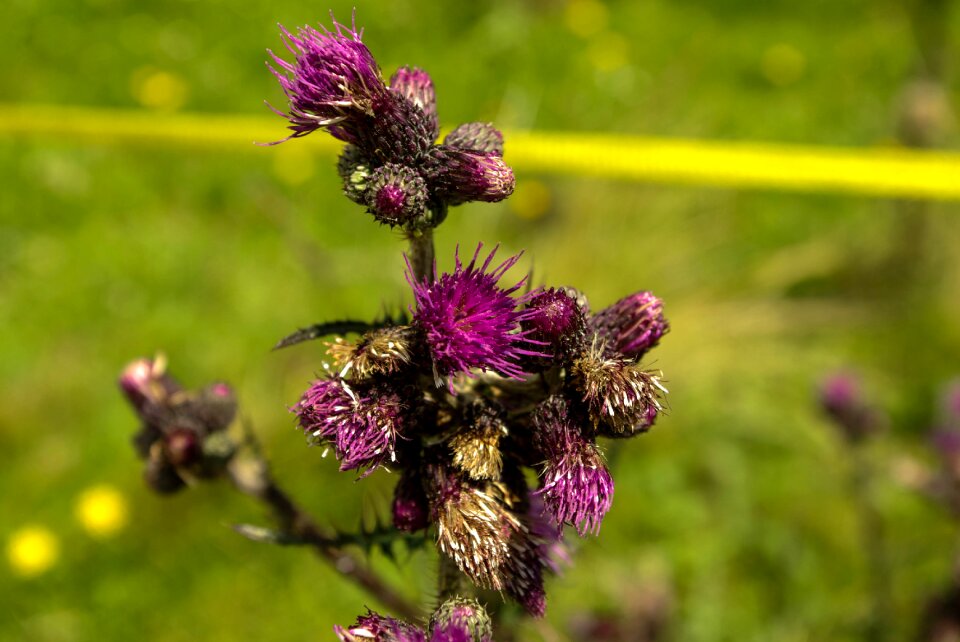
(734, 511)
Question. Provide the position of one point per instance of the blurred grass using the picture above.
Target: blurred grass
(736, 500)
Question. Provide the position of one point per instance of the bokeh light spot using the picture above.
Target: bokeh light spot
(586, 18)
(783, 64)
(102, 510)
(161, 90)
(32, 550)
(609, 52)
(531, 200)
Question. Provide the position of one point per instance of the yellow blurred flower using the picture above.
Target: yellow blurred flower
(101, 510)
(531, 199)
(158, 89)
(32, 550)
(608, 52)
(586, 18)
(783, 64)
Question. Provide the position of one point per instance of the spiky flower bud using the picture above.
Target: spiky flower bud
(468, 321)
(416, 86)
(476, 448)
(460, 618)
(557, 320)
(355, 170)
(476, 137)
(576, 487)
(374, 627)
(632, 325)
(396, 195)
(383, 351)
(361, 422)
(410, 508)
(618, 394)
(457, 176)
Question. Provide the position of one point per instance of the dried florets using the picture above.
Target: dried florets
(384, 351)
(468, 322)
(619, 395)
(476, 447)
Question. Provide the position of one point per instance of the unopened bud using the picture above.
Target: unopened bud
(464, 616)
(396, 195)
(476, 137)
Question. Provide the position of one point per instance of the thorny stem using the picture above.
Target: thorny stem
(872, 541)
(421, 254)
(449, 579)
(252, 477)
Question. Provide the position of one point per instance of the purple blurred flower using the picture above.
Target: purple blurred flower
(632, 325)
(554, 553)
(362, 422)
(374, 627)
(469, 322)
(951, 404)
(841, 397)
(576, 488)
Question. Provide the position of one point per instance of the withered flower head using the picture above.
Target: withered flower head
(383, 351)
(476, 447)
(619, 395)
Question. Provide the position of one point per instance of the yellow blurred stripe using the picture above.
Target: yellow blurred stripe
(872, 171)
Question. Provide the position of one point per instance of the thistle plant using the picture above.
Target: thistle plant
(480, 379)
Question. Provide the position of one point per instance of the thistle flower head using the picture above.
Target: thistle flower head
(457, 175)
(632, 325)
(396, 195)
(361, 422)
(383, 351)
(619, 395)
(476, 137)
(460, 619)
(576, 487)
(469, 322)
(476, 448)
(333, 79)
(374, 627)
(417, 87)
(556, 319)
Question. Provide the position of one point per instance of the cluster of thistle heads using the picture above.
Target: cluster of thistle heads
(484, 380)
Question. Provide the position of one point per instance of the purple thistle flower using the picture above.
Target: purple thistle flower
(577, 488)
(458, 175)
(374, 627)
(841, 397)
(469, 322)
(557, 320)
(417, 87)
(632, 325)
(361, 422)
(333, 80)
